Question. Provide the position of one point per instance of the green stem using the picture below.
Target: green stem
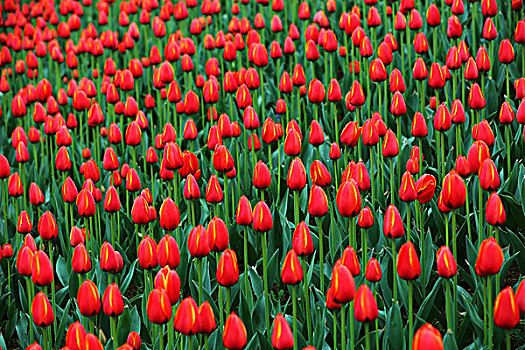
(113, 322)
(199, 267)
(367, 335)
(296, 207)
(307, 299)
(391, 181)
(394, 269)
(410, 314)
(507, 142)
(343, 327)
(294, 307)
(265, 281)
(409, 212)
(321, 254)
(246, 281)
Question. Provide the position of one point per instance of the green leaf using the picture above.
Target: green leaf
(394, 327)
(449, 341)
(62, 272)
(129, 277)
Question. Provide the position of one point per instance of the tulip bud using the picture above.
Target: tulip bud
(282, 336)
(427, 338)
(88, 299)
(42, 311)
(506, 311)
(365, 309)
(234, 335)
(342, 284)
(113, 304)
(490, 258)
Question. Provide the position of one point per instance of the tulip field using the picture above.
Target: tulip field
(256, 174)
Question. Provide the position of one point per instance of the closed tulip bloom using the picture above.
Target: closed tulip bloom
(47, 226)
(42, 311)
(292, 271)
(191, 188)
(296, 179)
(302, 240)
(218, 237)
(262, 217)
(370, 134)
(348, 199)
(222, 159)
(158, 306)
(140, 211)
(476, 99)
(489, 176)
(7, 251)
(207, 322)
(425, 187)
(483, 132)
(88, 299)
(477, 154)
(169, 215)
(282, 336)
(261, 176)
(214, 192)
(390, 145)
(398, 106)
(112, 302)
(335, 151)
(317, 202)
(243, 214)
(147, 253)
(350, 134)
(349, 259)
(365, 218)
(365, 306)
(234, 335)
(436, 80)
(342, 284)
(86, 204)
(186, 320)
(319, 174)
(169, 281)
(24, 261)
(228, 269)
(494, 210)
(112, 200)
(506, 311)
(80, 262)
(506, 52)
(36, 197)
(506, 113)
(393, 224)
(427, 338)
(490, 258)
(76, 336)
(198, 242)
(24, 223)
(292, 143)
(520, 296)
(15, 186)
(108, 258)
(316, 91)
(407, 190)
(373, 271)
(5, 168)
(446, 264)
(408, 266)
(134, 340)
(42, 270)
(454, 190)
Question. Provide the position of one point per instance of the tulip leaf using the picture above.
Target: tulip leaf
(429, 258)
(428, 303)
(449, 341)
(257, 282)
(507, 263)
(471, 312)
(22, 329)
(23, 297)
(264, 344)
(65, 320)
(394, 327)
(62, 271)
(273, 268)
(129, 276)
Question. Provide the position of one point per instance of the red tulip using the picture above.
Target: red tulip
(427, 338)
(234, 336)
(342, 285)
(42, 311)
(365, 309)
(495, 212)
(490, 258)
(169, 281)
(227, 269)
(113, 304)
(158, 306)
(506, 312)
(282, 336)
(186, 320)
(446, 264)
(373, 271)
(88, 299)
(408, 267)
(393, 224)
